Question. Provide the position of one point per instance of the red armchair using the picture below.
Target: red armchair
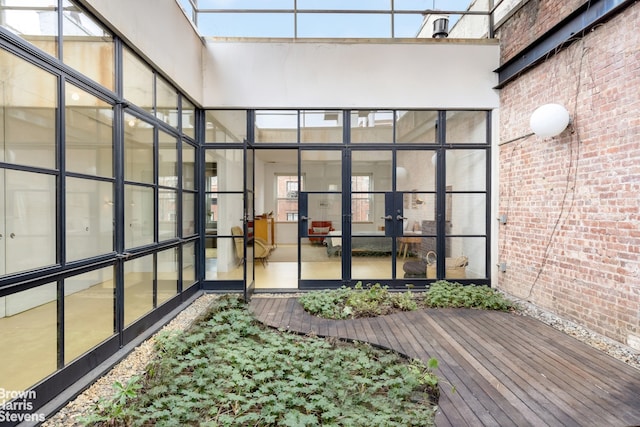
(319, 230)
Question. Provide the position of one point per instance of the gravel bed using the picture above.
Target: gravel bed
(135, 363)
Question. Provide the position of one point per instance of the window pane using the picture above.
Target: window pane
(189, 181)
(138, 216)
(244, 4)
(87, 46)
(137, 81)
(88, 296)
(138, 150)
(138, 288)
(474, 249)
(347, 25)
(415, 171)
(168, 264)
(322, 170)
(276, 126)
(418, 127)
(372, 126)
(29, 220)
(373, 169)
(225, 126)
(287, 188)
(188, 265)
(467, 213)
(223, 170)
(167, 214)
(466, 170)
(166, 103)
(28, 327)
(321, 126)
(89, 221)
(246, 24)
(467, 127)
(28, 99)
(188, 214)
(39, 26)
(88, 133)
(167, 160)
(188, 118)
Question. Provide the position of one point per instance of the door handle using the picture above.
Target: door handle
(387, 218)
(305, 218)
(401, 218)
(12, 235)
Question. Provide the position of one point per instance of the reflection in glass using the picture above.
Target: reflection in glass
(188, 265)
(137, 81)
(167, 160)
(29, 220)
(225, 125)
(138, 216)
(167, 214)
(415, 171)
(28, 97)
(168, 265)
(417, 126)
(322, 170)
(323, 126)
(276, 126)
(138, 288)
(87, 46)
(188, 118)
(467, 127)
(224, 258)
(28, 327)
(188, 214)
(89, 220)
(36, 21)
(88, 133)
(138, 150)
(188, 167)
(88, 296)
(166, 102)
(371, 126)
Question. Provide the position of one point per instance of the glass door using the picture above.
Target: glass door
(251, 247)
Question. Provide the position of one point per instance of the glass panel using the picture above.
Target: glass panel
(344, 25)
(431, 4)
(138, 288)
(224, 261)
(167, 160)
(371, 257)
(225, 126)
(138, 216)
(168, 264)
(466, 170)
(138, 150)
(325, 210)
(27, 114)
(28, 327)
(87, 46)
(30, 220)
(321, 126)
(188, 265)
(415, 171)
(322, 170)
(467, 127)
(407, 25)
(467, 213)
(418, 127)
(244, 4)
(418, 208)
(276, 126)
(89, 221)
(343, 4)
(223, 170)
(246, 24)
(287, 191)
(371, 170)
(88, 296)
(166, 103)
(189, 181)
(188, 118)
(470, 250)
(188, 214)
(371, 126)
(137, 81)
(167, 214)
(88, 133)
(34, 20)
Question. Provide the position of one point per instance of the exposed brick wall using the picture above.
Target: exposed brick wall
(572, 238)
(532, 20)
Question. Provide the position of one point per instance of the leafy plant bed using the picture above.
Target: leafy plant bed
(376, 300)
(229, 370)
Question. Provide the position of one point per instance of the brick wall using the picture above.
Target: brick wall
(572, 238)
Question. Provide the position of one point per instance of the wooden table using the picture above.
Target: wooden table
(405, 241)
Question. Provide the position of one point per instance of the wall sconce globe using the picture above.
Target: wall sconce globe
(549, 120)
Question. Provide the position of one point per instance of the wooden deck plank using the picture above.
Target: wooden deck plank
(507, 369)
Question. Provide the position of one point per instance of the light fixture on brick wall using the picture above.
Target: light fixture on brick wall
(549, 120)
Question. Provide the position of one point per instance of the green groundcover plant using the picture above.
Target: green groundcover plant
(229, 370)
(375, 300)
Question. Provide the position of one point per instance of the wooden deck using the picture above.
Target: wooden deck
(508, 370)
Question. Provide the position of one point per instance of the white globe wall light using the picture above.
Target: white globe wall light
(549, 120)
